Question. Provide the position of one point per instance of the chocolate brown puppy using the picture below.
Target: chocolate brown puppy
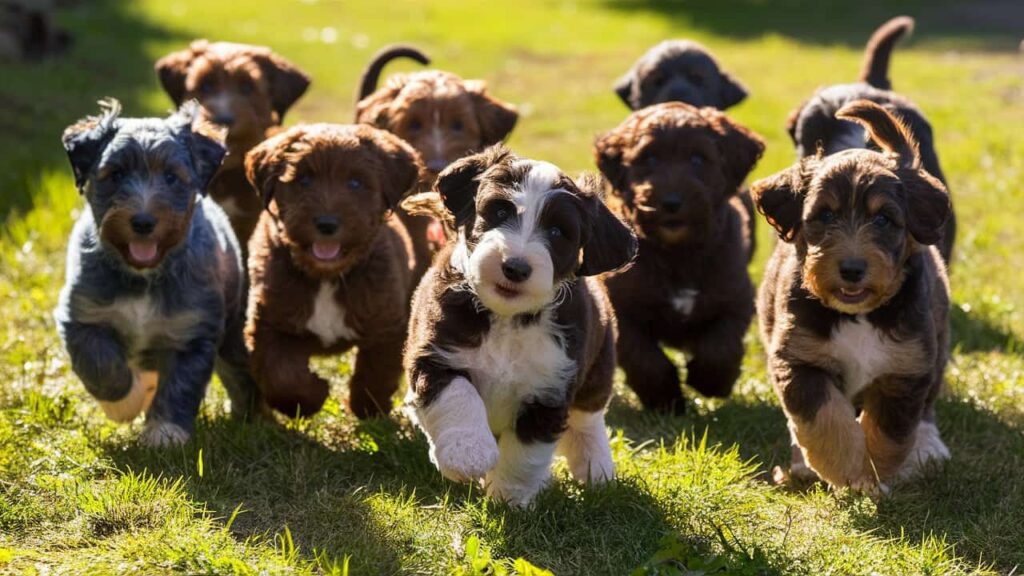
(674, 171)
(444, 118)
(245, 90)
(854, 306)
(330, 267)
(511, 348)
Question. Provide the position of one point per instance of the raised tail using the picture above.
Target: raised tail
(875, 70)
(888, 131)
(368, 84)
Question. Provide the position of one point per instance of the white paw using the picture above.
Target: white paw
(465, 454)
(801, 472)
(136, 401)
(585, 447)
(518, 494)
(928, 447)
(158, 434)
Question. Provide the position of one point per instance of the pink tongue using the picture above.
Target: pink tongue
(326, 250)
(143, 251)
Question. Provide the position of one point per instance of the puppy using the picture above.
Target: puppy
(814, 125)
(674, 171)
(679, 71)
(854, 306)
(244, 89)
(154, 293)
(444, 118)
(511, 343)
(330, 268)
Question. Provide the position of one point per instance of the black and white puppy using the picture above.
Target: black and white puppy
(679, 71)
(155, 293)
(511, 346)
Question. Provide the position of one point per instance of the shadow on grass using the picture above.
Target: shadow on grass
(40, 98)
(983, 25)
(976, 333)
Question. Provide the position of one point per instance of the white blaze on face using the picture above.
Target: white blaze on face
(524, 240)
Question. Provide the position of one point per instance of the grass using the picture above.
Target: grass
(333, 495)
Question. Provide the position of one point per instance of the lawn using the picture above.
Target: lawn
(334, 495)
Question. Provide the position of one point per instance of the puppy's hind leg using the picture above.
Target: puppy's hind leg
(376, 378)
(585, 446)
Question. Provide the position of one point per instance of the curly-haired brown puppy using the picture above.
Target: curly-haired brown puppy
(330, 267)
(679, 71)
(815, 125)
(444, 118)
(854, 306)
(245, 89)
(674, 171)
(511, 348)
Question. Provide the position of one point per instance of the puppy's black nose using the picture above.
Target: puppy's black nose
(516, 269)
(224, 119)
(853, 269)
(142, 224)
(671, 204)
(326, 225)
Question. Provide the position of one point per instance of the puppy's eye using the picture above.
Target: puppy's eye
(116, 176)
(555, 232)
(170, 178)
(826, 216)
(457, 126)
(205, 87)
(697, 160)
(355, 183)
(498, 212)
(246, 88)
(415, 126)
(305, 180)
(881, 221)
(651, 160)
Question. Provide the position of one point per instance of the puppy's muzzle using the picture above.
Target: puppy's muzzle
(326, 225)
(516, 269)
(143, 224)
(853, 269)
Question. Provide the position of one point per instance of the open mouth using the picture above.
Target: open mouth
(326, 251)
(506, 291)
(852, 296)
(143, 252)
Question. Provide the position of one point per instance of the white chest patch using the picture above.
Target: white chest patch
(515, 363)
(328, 318)
(140, 322)
(863, 353)
(684, 300)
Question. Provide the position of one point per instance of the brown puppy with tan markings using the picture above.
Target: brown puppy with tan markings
(854, 306)
(444, 118)
(675, 170)
(244, 89)
(330, 267)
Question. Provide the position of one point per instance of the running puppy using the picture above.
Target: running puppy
(154, 296)
(674, 171)
(244, 89)
(815, 124)
(511, 347)
(679, 71)
(854, 306)
(330, 267)
(444, 118)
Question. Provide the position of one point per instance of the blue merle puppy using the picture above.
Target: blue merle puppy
(155, 291)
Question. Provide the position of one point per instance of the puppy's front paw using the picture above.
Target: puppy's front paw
(158, 434)
(513, 493)
(135, 401)
(465, 455)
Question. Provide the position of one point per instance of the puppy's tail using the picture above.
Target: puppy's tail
(368, 84)
(875, 70)
(885, 129)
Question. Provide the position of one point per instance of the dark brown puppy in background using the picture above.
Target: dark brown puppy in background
(674, 170)
(330, 267)
(854, 306)
(511, 348)
(814, 125)
(444, 118)
(244, 89)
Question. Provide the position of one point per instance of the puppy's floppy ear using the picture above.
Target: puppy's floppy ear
(791, 122)
(731, 92)
(375, 109)
(172, 70)
(740, 147)
(85, 140)
(287, 82)
(609, 149)
(496, 118)
(401, 163)
(264, 164)
(207, 153)
(610, 244)
(780, 198)
(624, 88)
(458, 183)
